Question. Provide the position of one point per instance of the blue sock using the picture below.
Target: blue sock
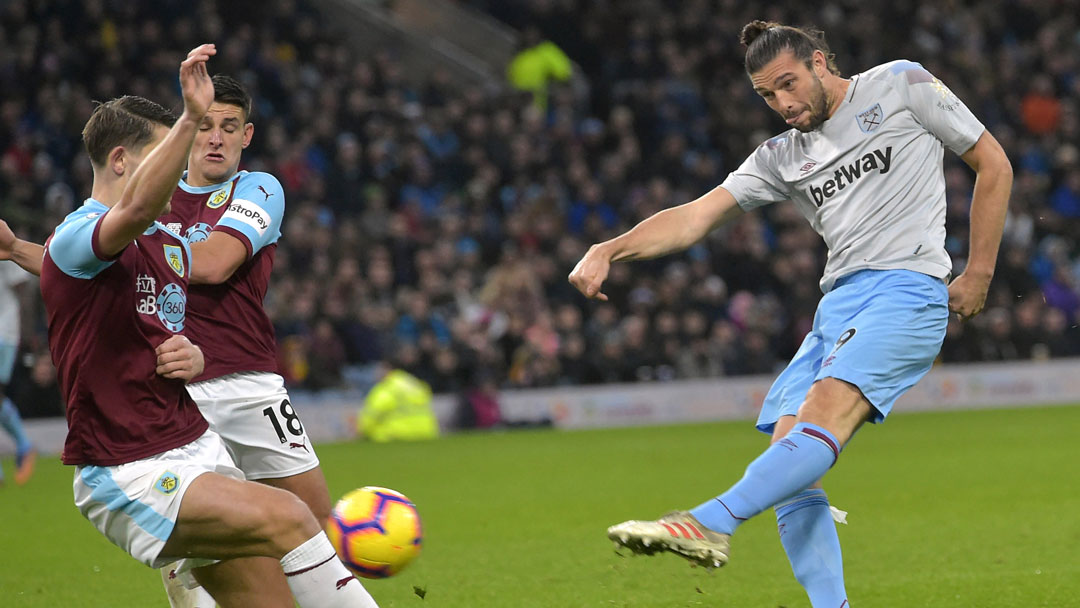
(789, 465)
(808, 534)
(9, 419)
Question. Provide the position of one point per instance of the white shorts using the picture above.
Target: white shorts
(135, 505)
(252, 413)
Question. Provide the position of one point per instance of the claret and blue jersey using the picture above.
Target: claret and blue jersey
(106, 316)
(249, 207)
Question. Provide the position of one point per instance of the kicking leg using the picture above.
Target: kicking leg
(248, 582)
(225, 518)
(832, 412)
(259, 452)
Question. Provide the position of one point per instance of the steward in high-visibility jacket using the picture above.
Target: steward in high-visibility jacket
(398, 408)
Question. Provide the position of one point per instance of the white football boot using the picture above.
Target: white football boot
(678, 532)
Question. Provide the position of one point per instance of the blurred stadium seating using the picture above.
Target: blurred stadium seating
(432, 224)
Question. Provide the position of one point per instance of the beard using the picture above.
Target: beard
(818, 108)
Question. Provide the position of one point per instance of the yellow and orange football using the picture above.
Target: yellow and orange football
(376, 531)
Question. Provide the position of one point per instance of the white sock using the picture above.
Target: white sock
(179, 595)
(318, 579)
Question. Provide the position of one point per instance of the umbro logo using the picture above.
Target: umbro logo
(807, 167)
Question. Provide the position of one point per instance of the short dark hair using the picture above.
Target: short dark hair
(229, 90)
(125, 121)
(764, 40)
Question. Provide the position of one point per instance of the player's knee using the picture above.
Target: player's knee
(311, 488)
(782, 428)
(285, 521)
(836, 406)
(316, 498)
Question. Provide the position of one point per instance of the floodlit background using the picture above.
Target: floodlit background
(446, 163)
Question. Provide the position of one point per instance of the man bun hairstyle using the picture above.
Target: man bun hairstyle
(127, 121)
(764, 40)
(228, 90)
(755, 28)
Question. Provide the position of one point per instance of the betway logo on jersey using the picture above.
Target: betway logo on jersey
(846, 175)
(248, 213)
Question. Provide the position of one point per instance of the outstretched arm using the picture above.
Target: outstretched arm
(148, 191)
(24, 253)
(989, 203)
(668, 231)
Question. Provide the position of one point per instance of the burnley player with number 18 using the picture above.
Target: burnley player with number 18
(150, 474)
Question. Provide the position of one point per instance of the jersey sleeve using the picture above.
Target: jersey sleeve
(74, 249)
(756, 183)
(937, 109)
(255, 213)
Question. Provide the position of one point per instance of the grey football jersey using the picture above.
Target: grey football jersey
(870, 179)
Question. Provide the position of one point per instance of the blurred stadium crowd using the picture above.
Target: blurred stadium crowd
(433, 226)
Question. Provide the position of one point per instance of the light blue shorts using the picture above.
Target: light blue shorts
(8, 351)
(879, 330)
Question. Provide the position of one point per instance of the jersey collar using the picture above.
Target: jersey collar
(92, 205)
(186, 187)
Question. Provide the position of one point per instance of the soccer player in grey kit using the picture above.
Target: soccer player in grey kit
(863, 163)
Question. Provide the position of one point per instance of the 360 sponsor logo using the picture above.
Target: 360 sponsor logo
(170, 306)
(198, 232)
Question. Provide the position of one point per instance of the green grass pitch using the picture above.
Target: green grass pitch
(946, 509)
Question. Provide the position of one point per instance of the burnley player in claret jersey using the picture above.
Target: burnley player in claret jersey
(232, 219)
(150, 474)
